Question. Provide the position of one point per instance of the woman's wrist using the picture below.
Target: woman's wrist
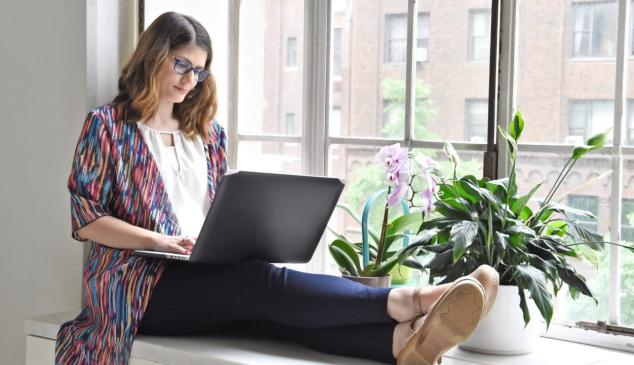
(150, 240)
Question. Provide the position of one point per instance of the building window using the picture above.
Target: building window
(479, 35)
(422, 38)
(336, 52)
(594, 29)
(290, 123)
(629, 131)
(627, 220)
(393, 115)
(588, 117)
(476, 120)
(291, 52)
(396, 38)
(589, 203)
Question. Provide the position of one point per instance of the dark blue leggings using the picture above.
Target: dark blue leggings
(322, 312)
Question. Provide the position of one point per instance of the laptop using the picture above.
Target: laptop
(277, 218)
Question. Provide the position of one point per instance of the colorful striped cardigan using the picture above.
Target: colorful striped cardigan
(114, 173)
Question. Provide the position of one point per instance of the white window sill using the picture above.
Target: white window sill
(216, 350)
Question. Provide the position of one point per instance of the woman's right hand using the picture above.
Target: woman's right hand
(175, 244)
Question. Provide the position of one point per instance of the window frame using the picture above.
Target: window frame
(316, 142)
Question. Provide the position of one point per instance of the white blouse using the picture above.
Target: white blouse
(183, 168)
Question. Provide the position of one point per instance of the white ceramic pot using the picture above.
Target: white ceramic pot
(502, 332)
(372, 281)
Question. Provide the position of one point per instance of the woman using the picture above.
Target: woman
(143, 177)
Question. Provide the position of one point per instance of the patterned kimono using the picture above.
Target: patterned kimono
(114, 173)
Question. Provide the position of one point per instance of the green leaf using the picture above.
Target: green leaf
(440, 261)
(347, 209)
(466, 191)
(385, 267)
(516, 126)
(509, 140)
(576, 281)
(343, 260)
(557, 227)
(524, 306)
(528, 277)
(350, 251)
(564, 209)
(389, 240)
(404, 223)
(581, 234)
(595, 142)
(520, 203)
(462, 235)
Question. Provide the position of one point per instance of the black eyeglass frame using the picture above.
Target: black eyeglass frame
(200, 74)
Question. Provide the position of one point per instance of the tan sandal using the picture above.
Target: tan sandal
(490, 280)
(450, 321)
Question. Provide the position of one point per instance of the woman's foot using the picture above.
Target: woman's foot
(450, 321)
(490, 280)
(405, 304)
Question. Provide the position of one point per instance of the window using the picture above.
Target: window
(627, 220)
(336, 52)
(588, 203)
(477, 120)
(563, 103)
(393, 114)
(629, 131)
(291, 52)
(422, 38)
(479, 35)
(588, 117)
(594, 29)
(290, 123)
(396, 38)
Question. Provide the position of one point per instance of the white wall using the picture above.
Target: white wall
(52, 71)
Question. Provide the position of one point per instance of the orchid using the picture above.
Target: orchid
(396, 163)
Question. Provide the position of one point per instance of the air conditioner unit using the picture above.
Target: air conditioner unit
(574, 140)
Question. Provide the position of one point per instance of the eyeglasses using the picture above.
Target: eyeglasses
(183, 67)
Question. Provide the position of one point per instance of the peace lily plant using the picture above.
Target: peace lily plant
(481, 221)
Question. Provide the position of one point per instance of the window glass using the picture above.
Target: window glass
(586, 187)
(368, 88)
(270, 67)
(627, 236)
(559, 89)
(279, 157)
(457, 71)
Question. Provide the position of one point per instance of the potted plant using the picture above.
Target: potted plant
(481, 221)
(378, 254)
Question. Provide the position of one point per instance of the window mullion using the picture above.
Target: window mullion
(509, 11)
(316, 106)
(232, 88)
(410, 72)
(617, 160)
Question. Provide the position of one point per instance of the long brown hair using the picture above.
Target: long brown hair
(139, 84)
